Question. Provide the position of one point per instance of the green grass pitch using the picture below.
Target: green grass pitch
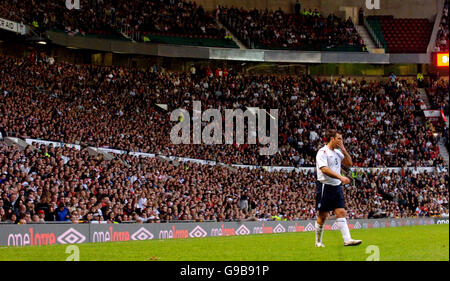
(408, 243)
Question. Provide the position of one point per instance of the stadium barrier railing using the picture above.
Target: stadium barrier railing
(212, 162)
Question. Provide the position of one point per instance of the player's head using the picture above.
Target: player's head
(333, 137)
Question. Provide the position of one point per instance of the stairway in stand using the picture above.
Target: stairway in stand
(366, 37)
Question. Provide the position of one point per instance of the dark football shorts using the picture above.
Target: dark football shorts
(329, 197)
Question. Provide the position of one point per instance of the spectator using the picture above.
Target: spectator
(74, 217)
(41, 216)
(12, 219)
(2, 214)
(35, 219)
(62, 213)
(297, 8)
(51, 214)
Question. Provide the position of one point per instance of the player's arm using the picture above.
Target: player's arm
(347, 161)
(327, 171)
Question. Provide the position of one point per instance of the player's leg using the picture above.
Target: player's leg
(341, 214)
(323, 213)
(341, 221)
(321, 218)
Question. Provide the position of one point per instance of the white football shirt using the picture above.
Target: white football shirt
(331, 159)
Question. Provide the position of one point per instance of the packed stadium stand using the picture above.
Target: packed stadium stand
(43, 15)
(278, 30)
(438, 96)
(83, 110)
(171, 22)
(53, 183)
(181, 22)
(111, 106)
(442, 36)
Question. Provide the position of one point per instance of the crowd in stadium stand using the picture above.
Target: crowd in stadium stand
(65, 184)
(275, 29)
(108, 16)
(172, 17)
(114, 107)
(261, 29)
(438, 95)
(442, 36)
(47, 14)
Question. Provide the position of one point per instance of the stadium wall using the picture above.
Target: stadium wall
(249, 55)
(49, 234)
(397, 8)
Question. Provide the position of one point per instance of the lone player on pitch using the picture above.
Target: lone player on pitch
(329, 195)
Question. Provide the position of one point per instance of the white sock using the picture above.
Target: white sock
(319, 233)
(342, 225)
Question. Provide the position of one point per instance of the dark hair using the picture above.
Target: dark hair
(331, 133)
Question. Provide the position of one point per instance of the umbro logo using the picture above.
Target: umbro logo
(309, 227)
(242, 230)
(198, 232)
(71, 236)
(279, 228)
(142, 234)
